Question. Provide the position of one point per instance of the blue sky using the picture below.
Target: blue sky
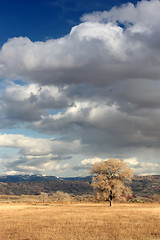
(80, 83)
(40, 19)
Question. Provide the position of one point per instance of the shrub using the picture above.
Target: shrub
(60, 196)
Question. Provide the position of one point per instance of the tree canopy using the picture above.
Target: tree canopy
(109, 179)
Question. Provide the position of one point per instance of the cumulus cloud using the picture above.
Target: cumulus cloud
(87, 163)
(98, 84)
(143, 168)
(103, 125)
(139, 168)
(145, 13)
(30, 102)
(94, 52)
(37, 155)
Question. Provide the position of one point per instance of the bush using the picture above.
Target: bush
(135, 200)
(156, 197)
(60, 196)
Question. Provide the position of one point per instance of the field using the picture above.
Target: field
(79, 221)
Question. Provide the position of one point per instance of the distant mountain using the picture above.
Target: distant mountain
(35, 184)
(26, 178)
(37, 178)
(144, 186)
(85, 179)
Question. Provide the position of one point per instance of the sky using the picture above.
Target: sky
(79, 84)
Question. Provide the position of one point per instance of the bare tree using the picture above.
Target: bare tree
(109, 178)
(43, 196)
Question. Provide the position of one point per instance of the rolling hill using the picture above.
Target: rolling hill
(144, 186)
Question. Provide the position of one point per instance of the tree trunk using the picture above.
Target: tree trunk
(110, 198)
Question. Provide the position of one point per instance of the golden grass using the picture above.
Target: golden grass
(79, 221)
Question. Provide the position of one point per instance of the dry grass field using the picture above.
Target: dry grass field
(79, 221)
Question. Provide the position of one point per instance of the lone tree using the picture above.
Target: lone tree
(109, 178)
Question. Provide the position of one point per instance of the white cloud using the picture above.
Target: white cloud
(139, 168)
(103, 124)
(36, 154)
(90, 161)
(144, 13)
(38, 146)
(87, 163)
(143, 168)
(49, 167)
(93, 52)
(131, 161)
(31, 102)
(99, 84)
